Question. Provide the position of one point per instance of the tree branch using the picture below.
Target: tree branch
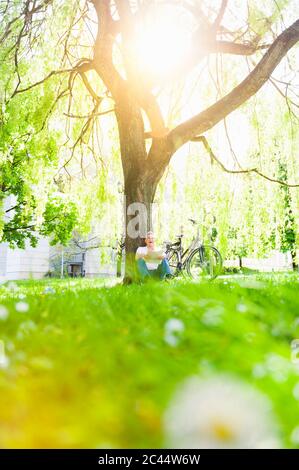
(228, 47)
(220, 15)
(89, 88)
(103, 61)
(82, 66)
(77, 116)
(213, 157)
(253, 82)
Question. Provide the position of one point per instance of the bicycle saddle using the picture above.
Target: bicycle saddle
(170, 244)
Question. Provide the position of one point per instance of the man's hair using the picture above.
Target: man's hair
(149, 233)
(143, 239)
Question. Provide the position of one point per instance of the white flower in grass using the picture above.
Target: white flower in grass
(252, 283)
(242, 308)
(3, 312)
(25, 329)
(219, 413)
(296, 391)
(12, 286)
(278, 367)
(173, 330)
(22, 307)
(295, 435)
(49, 290)
(4, 361)
(213, 316)
(259, 371)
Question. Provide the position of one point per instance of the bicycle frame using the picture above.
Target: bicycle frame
(182, 255)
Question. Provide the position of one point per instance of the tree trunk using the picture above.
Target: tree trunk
(141, 177)
(139, 196)
(142, 171)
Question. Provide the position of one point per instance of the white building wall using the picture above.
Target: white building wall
(275, 262)
(92, 263)
(3, 255)
(24, 264)
(97, 265)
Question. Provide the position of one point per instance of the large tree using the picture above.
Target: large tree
(113, 58)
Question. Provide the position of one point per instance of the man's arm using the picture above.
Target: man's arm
(150, 255)
(158, 254)
(139, 254)
(161, 255)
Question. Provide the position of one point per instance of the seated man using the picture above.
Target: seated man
(152, 262)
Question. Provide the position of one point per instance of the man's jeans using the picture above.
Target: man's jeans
(162, 270)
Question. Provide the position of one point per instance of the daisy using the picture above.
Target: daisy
(3, 312)
(4, 361)
(22, 307)
(219, 412)
(49, 290)
(173, 330)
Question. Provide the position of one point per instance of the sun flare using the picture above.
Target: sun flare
(163, 41)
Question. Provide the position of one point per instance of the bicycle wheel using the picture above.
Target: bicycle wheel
(204, 262)
(173, 260)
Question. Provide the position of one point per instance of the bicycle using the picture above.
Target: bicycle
(198, 260)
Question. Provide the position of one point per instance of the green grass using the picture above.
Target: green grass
(89, 365)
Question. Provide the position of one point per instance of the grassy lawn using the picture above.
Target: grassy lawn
(89, 363)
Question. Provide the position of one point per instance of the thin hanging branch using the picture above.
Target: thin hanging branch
(213, 157)
(82, 66)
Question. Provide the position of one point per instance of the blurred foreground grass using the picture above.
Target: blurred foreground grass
(92, 364)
